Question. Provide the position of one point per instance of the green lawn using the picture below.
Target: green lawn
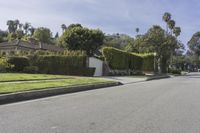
(21, 76)
(11, 87)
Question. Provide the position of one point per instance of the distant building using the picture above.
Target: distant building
(18, 45)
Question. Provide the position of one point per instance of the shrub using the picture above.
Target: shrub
(19, 63)
(175, 71)
(31, 69)
(4, 64)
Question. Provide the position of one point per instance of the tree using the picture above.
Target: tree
(64, 27)
(194, 43)
(57, 35)
(11, 27)
(43, 35)
(171, 25)
(79, 38)
(177, 31)
(74, 25)
(31, 30)
(137, 30)
(120, 41)
(156, 41)
(26, 27)
(167, 18)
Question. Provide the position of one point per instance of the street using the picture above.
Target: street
(159, 106)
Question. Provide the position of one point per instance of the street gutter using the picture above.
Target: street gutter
(34, 94)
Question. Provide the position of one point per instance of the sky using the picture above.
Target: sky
(111, 16)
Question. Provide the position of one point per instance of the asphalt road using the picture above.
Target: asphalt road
(160, 106)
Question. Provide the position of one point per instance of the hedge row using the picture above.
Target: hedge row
(51, 64)
(54, 64)
(148, 62)
(121, 60)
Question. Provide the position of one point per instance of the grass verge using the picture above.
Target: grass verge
(12, 87)
(6, 77)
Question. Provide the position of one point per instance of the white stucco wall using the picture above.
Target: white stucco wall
(98, 64)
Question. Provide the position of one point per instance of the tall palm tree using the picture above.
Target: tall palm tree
(64, 27)
(167, 17)
(171, 25)
(177, 31)
(137, 30)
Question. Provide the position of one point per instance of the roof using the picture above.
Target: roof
(31, 46)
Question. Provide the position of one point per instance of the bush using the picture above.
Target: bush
(173, 71)
(31, 69)
(19, 63)
(4, 64)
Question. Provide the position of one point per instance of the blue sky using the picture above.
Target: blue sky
(111, 16)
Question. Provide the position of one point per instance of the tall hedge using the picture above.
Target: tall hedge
(121, 60)
(56, 64)
(148, 62)
(18, 62)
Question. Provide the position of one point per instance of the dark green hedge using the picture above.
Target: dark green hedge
(68, 65)
(117, 59)
(121, 60)
(148, 62)
(52, 64)
(19, 63)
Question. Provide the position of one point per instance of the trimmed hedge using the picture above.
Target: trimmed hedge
(148, 62)
(19, 63)
(67, 65)
(121, 60)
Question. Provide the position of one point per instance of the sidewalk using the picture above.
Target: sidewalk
(134, 79)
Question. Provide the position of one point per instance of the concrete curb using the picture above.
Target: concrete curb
(27, 95)
(158, 77)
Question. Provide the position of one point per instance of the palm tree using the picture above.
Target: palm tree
(177, 31)
(171, 25)
(167, 17)
(137, 30)
(64, 27)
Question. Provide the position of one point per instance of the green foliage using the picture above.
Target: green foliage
(78, 38)
(119, 41)
(19, 63)
(148, 62)
(56, 64)
(175, 71)
(31, 69)
(43, 35)
(194, 43)
(117, 59)
(121, 60)
(4, 64)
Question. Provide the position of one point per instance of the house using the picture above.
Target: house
(19, 45)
